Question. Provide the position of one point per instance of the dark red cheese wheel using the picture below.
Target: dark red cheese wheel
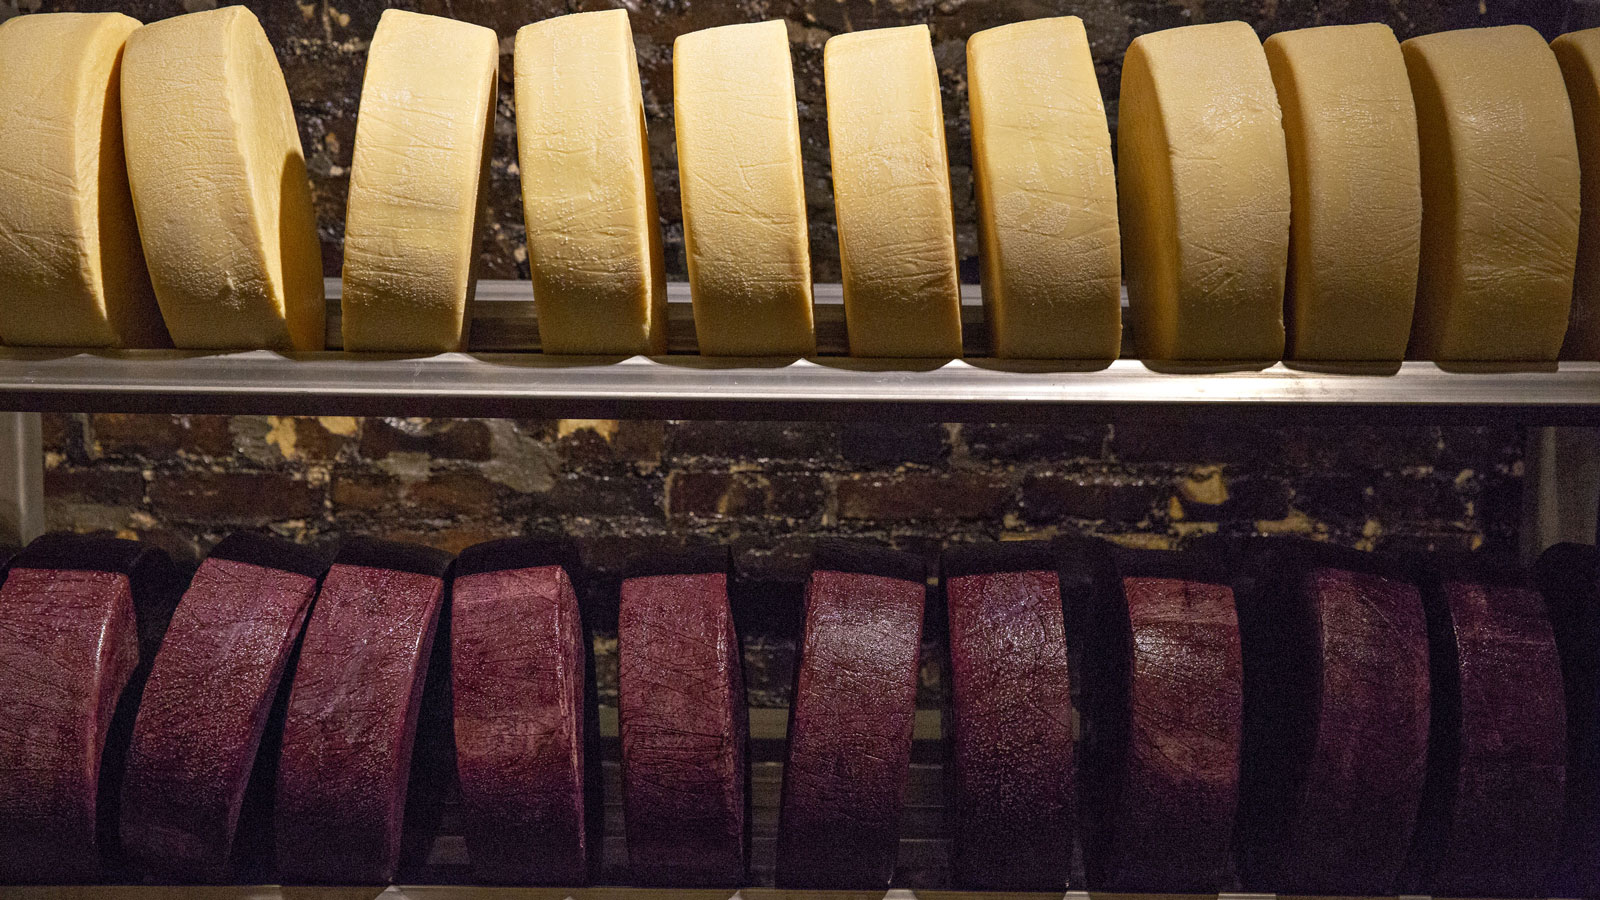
(79, 619)
(685, 771)
(1163, 671)
(1492, 806)
(523, 737)
(850, 722)
(1569, 577)
(205, 705)
(1010, 719)
(352, 716)
(1336, 732)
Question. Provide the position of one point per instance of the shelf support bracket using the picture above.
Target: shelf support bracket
(21, 478)
(1560, 488)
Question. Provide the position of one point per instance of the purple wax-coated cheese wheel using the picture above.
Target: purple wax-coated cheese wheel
(684, 724)
(205, 705)
(850, 723)
(1569, 577)
(1011, 718)
(80, 619)
(525, 739)
(1163, 676)
(1336, 727)
(1491, 812)
(352, 717)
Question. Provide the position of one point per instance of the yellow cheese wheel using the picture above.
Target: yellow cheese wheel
(70, 261)
(594, 239)
(219, 184)
(1579, 56)
(1499, 195)
(1203, 195)
(1356, 214)
(1046, 191)
(421, 158)
(744, 206)
(891, 194)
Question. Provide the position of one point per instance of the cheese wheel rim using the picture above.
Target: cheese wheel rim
(1578, 54)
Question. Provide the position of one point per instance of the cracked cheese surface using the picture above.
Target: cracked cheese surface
(1046, 192)
(1579, 56)
(416, 183)
(744, 208)
(219, 184)
(1203, 191)
(69, 245)
(594, 240)
(891, 194)
(1499, 195)
(1356, 218)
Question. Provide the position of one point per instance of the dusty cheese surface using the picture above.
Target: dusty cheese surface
(594, 239)
(1578, 54)
(70, 260)
(219, 184)
(1203, 195)
(744, 208)
(416, 183)
(1356, 214)
(891, 194)
(1046, 192)
(1500, 199)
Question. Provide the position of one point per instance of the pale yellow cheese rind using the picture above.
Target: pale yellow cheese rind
(891, 194)
(417, 175)
(594, 237)
(1500, 201)
(1356, 197)
(739, 173)
(1578, 54)
(1046, 193)
(1203, 195)
(219, 184)
(72, 271)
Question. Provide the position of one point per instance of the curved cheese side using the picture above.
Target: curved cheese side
(1578, 54)
(1356, 216)
(219, 185)
(1499, 195)
(1203, 195)
(1046, 192)
(416, 183)
(744, 205)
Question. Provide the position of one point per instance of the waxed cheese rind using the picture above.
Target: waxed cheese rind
(891, 194)
(70, 259)
(219, 185)
(594, 238)
(1356, 196)
(743, 193)
(417, 183)
(1500, 195)
(1578, 54)
(1046, 193)
(1203, 195)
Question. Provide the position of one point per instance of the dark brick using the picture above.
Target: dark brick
(99, 485)
(713, 495)
(63, 433)
(241, 498)
(1356, 447)
(1331, 497)
(632, 443)
(754, 441)
(1401, 498)
(893, 444)
(161, 437)
(466, 439)
(1249, 498)
(362, 492)
(923, 495)
(1022, 443)
(597, 496)
(1199, 443)
(453, 494)
(313, 440)
(1485, 448)
(1049, 498)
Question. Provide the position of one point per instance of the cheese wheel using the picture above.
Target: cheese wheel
(1355, 221)
(1499, 195)
(744, 204)
(69, 245)
(1203, 195)
(1046, 192)
(416, 183)
(891, 194)
(1578, 54)
(594, 239)
(219, 185)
